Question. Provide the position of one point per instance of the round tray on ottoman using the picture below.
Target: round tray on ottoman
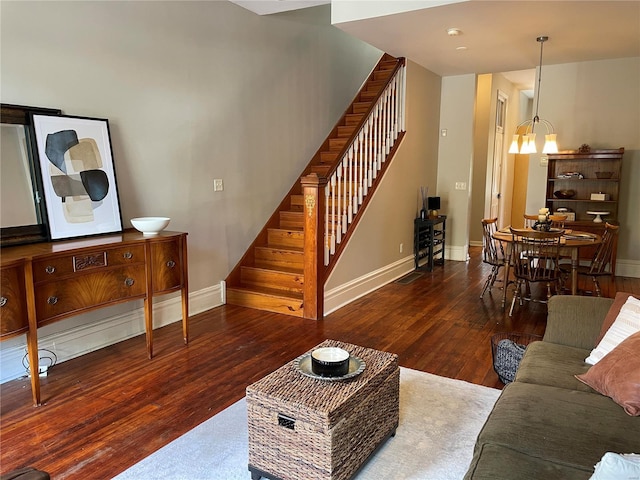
(507, 350)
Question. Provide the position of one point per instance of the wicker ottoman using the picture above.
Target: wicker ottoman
(301, 428)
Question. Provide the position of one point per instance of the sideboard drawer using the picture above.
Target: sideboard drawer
(13, 302)
(166, 266)
(58, 267)
(87, 291)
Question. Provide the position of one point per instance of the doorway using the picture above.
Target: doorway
(496, 208)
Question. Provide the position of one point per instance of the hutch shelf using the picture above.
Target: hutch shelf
(585, 184)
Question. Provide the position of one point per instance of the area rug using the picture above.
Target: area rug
(440, 419)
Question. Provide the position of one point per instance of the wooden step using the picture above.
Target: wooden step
(286, 258)
(328, 157)
(291, 219)
(346, 130)
(361, 107)
(289, 281)
(382, 74)
(337, 144)
(365, 95)
(265, 299)
(376, 84)
(322, 169)
(285, 238)
(352, 118)
(297, 203)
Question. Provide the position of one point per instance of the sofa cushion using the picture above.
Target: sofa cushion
(554, 365)
(497, 462)
(612, 314)
(626, 323)
(566, 427)
(617, 375)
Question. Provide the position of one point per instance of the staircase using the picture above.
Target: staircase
(335, 187)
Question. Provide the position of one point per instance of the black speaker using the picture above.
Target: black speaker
(433, 203)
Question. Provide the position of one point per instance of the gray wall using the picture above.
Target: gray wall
(193, 91)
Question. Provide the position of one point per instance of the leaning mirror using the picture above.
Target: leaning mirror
(22, 210)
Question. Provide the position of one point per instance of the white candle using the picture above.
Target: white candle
(542, 217)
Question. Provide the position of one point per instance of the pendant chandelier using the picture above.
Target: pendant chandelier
(526, 142)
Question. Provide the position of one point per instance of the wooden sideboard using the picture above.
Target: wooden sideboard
(46, 282)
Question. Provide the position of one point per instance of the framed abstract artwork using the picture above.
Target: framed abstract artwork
(78, 176)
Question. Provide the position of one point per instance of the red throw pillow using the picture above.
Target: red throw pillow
(617, 375)
(612, 314)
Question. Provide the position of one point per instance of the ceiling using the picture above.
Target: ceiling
(499, 36)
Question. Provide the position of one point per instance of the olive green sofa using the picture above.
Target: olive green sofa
(547, 424)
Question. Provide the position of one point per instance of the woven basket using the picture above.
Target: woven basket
(507, 350)
(304, 428)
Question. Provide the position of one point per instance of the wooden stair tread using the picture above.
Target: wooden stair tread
(271, 292)
(288, 303)
(284, 270)
(286, 249)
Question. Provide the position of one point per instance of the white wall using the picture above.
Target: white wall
(597, 103)
(455, 160)
(352, 10)
(193, 91)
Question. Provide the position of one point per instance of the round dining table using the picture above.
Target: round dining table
(570, 244)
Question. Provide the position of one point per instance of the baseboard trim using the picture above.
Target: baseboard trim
(348, 292)
(457, 253)
(79, 340)
(627, 268)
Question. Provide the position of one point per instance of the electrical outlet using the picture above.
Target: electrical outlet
(544, 161)
(401, 247)
(218, 186)
(461, 185)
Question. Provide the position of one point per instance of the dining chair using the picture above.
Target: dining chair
(530, 220)
(557, 220)
(492, 253)
(535, 260)
(601, 259)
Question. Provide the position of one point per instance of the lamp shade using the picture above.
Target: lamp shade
(514, 144)
(433, 203)
(550, 145)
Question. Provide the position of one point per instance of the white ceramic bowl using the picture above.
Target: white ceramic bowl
(150, 225)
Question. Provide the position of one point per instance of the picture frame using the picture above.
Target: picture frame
(78, 175)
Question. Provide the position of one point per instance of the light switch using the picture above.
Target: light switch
(218, 186)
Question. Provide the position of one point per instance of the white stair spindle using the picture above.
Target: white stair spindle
(361, 164)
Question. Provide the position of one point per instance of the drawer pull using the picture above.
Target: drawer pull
(3, 301)
(52, 300)
(171, 264)
(50, 269)
(129, 282)
(128, 255)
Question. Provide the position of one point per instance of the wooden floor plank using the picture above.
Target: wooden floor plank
(109, 409)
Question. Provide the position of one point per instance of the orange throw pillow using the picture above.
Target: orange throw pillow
(617, 375)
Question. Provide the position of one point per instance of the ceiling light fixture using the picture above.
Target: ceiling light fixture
(454, 32)
(528, 142)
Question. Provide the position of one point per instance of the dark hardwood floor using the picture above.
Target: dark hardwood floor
(109, 409)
